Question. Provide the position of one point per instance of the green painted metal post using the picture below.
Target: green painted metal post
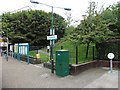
(52, 41)
(51, 51)
(18, 57)
(93, 52)
(28, 58)
(76, 54)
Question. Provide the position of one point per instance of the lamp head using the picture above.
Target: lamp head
(68, 9)
(34, 2)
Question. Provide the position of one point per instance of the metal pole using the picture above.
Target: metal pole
(51, 41)
(76, 54)
(51, 51)
(93, 52)
(111, 65)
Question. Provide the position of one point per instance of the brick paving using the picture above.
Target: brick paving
(18, 74)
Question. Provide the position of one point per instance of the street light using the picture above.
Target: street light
(35, 2)
(51, 46)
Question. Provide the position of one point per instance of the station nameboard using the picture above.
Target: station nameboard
(53, 37)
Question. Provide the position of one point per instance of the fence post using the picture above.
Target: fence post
(76, 54)
(93, 52)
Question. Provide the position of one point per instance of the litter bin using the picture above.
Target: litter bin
(62, 63)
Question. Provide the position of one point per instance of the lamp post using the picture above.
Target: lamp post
(51, 46)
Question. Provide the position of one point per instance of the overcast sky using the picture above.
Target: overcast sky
(78, 7)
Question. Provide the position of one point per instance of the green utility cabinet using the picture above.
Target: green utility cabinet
(62, 63)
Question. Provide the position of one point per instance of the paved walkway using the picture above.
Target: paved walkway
(17, 74)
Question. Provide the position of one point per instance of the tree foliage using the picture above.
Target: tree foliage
(96, 26)
(31, 26)
(118, 18)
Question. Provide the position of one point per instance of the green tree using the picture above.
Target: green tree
(94, 27)
(118, 18)
(83, 31)
(31, 26)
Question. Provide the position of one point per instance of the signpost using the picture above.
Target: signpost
(110, 56)
(52, 39)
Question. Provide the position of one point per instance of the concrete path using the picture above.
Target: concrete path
(17, 74)
(107, 80)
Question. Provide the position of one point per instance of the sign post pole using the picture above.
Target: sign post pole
(111, 56)
(111, 69)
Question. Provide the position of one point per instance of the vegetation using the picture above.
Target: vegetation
(43, 57)
(95, 27)
(71, 47)
(31, 26)
(67, 45)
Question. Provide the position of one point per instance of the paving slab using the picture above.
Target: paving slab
(109, 79)
(19, 74)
